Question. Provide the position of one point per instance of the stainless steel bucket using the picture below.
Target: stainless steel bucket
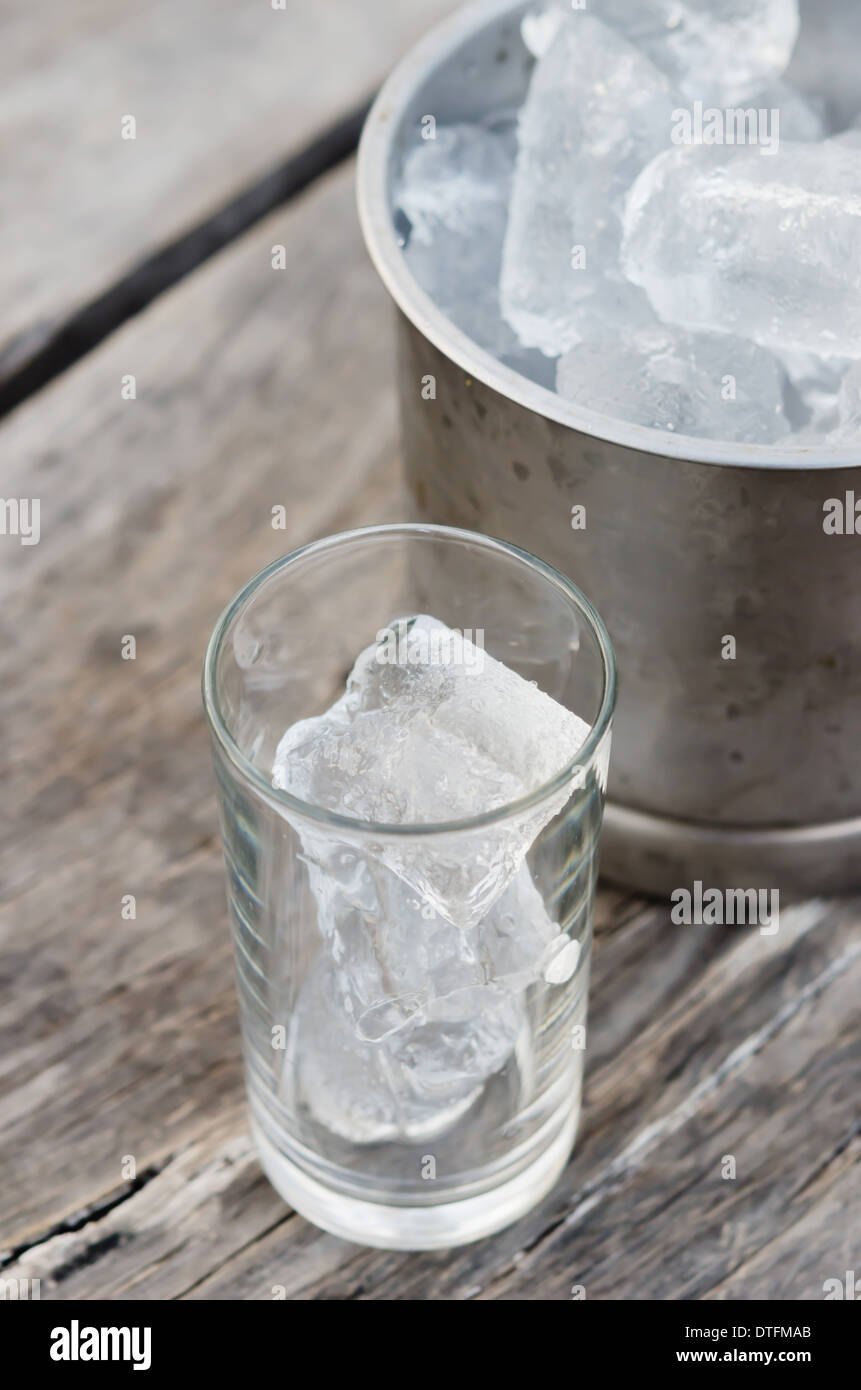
(739, 772)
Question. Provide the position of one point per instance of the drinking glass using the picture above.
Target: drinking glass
(413, 1081)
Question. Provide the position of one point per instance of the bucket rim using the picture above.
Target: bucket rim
(384, 120)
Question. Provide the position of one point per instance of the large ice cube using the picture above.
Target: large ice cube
(397, 957)
(814, 387)
(766, 247)
(613, 313)
(703, 384)
(408, 1087)
(597, 110)
(713, 50)
(848, 427)
(798, 117)
(851, 137)
(403, 1016)
(454, 192)
(430, 730)
(825, 59)
(418, 997)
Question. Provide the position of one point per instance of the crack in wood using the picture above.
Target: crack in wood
(827, 1163)
(78, 335)
(89, 1255)
(79, 1219)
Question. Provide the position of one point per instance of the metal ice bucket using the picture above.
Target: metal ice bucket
(738, 772)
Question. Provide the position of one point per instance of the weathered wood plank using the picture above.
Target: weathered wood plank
(256, 388)
(819, 1246)
(133, 1251)
(741, 1064)
(658, 1220)
(119, 1037)
(206, 1202)
(220, 90)
(758, 1058)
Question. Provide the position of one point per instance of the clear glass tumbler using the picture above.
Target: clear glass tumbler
(413, 1081)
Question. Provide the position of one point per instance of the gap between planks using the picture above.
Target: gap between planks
(95, 321)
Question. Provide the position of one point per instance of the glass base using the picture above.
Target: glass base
(416, 1228)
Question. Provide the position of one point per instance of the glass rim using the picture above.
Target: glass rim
(335, 820)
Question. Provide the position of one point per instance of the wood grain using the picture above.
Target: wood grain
(221, 91)
(119, 1037)
(643, 1211)
(258, 388)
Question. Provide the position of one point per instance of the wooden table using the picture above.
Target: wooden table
(256, 387)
